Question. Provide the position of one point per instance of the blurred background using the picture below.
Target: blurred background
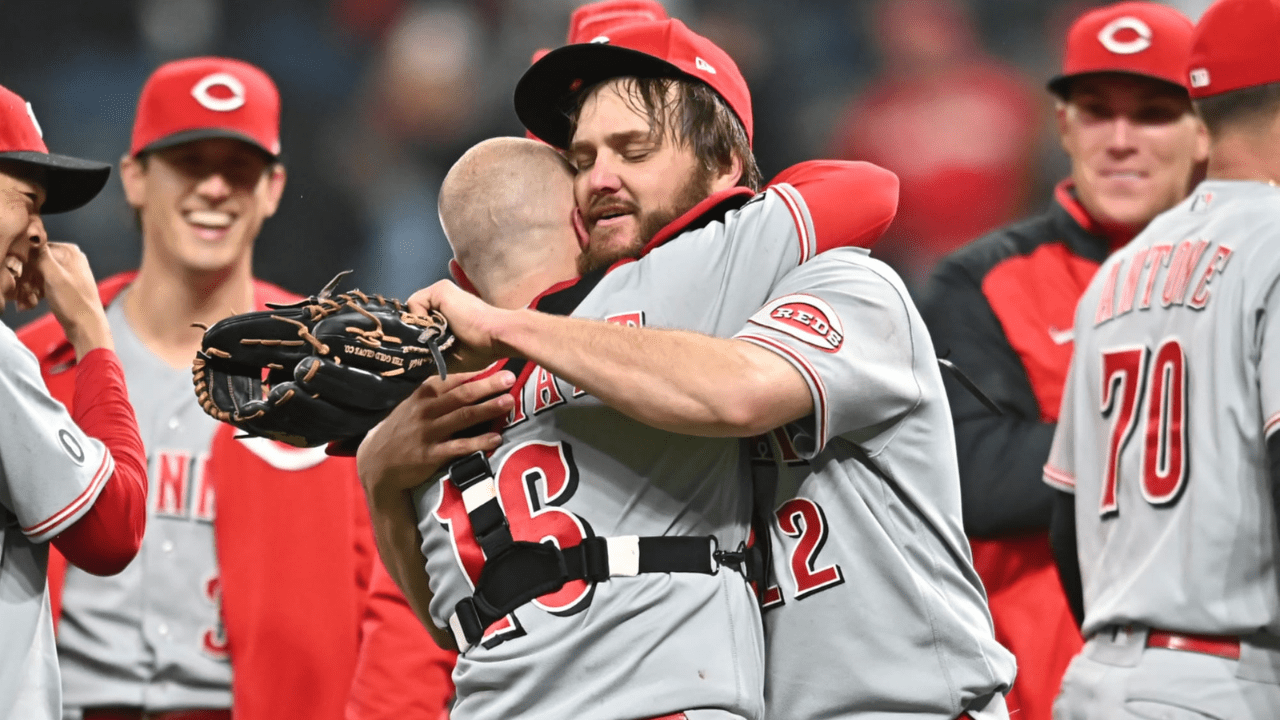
(381, 96)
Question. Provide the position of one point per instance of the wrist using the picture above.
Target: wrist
(511, 332)
(89, 337)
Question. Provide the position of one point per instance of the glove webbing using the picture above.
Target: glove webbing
(517, 572)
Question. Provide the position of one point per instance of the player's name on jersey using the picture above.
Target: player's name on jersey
(544, 391)
(1164, 274)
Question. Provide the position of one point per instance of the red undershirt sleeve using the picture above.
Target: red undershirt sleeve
(108, 536)
(851, 203)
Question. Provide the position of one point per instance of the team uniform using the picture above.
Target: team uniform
(570, 468)
(208, 612)
(877, 611)
(1169, 403)
(51, 473)
(1001, 308)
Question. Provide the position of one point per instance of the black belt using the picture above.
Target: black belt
(516, 572)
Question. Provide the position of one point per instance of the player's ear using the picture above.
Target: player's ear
(1202, 141)
(276, 177)
(133, 176)
(728, 175)
(1060, 115)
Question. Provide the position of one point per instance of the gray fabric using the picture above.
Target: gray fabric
(876, 607)
(1197, 554)
(653, 644)
(50, 475)
(149, 636)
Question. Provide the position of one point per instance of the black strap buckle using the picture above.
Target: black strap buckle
(748, 560)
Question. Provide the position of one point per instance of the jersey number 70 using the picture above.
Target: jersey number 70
(1128, 379)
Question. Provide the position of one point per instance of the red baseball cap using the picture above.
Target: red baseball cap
(595, 19)
(599, 18)
(662, 48)
(1236, 45)
(1138, 38)
(69, 182)
(207, 97)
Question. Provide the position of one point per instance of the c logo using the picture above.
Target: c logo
(72, 446)
(219, 104)
(1141, 42)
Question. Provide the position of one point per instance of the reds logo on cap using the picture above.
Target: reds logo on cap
(1138, 32)
(201, 92)
(804, 318)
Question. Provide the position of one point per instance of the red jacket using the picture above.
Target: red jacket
(295, 555)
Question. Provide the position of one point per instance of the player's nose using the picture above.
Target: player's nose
(214, 187)
(1122, 134)
(603, 176)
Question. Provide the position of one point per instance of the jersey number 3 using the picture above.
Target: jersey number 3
(1131, 376)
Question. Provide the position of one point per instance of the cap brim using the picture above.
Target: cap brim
(69, 182)
(187, 136)
(542, 93)
(1060, 85)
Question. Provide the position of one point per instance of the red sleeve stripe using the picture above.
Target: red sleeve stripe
(1059, 479)
(798, 217)
(807, 368)
(1272, 424)
(53, 525)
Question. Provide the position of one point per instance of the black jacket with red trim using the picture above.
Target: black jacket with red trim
(1001, 308)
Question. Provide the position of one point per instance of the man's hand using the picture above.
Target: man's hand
(473, 322)
(60, 273)
(416, 439)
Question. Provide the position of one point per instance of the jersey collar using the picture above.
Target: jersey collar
(704, 213)
(1065, 195)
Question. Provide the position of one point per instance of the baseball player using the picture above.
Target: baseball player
(1166, 453)
(242, 534)
(75, 477)
(1001, 308)
(834, 516)
(694, 643)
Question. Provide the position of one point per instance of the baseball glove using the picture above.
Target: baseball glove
(327, 368)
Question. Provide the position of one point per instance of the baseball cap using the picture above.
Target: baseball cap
(1235, 47)
(1139, 38)
(207, 97)
(69, 182)
(598, 18)
(662, 48)
(595, 19)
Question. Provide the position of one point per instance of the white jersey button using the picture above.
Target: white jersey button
(163, 629)
(167, 546)
(174, 423)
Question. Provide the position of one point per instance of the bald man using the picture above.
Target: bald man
(507, 209)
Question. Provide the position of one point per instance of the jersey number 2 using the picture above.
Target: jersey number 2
(1126, 377)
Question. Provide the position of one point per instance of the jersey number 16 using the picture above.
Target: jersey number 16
(1131, 376)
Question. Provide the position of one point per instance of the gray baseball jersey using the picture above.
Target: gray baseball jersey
(876, 606)
(151, 636)
(50, 475)
(1172, 392)
(653, 644)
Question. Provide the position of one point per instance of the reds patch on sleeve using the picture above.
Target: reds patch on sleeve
(805, 318)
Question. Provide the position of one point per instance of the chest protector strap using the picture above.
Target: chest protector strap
(516, 572)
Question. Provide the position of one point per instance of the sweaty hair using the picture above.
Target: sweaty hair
(1244, 107)
(695, 117)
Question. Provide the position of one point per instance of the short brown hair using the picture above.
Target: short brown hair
(699, 118)
(1246, 106)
